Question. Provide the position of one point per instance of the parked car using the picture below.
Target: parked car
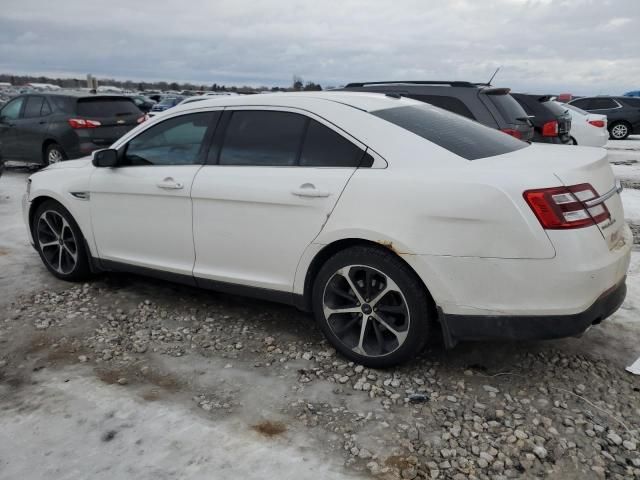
(49, 127)
(143, 103)
(587, 129)
(551, 120)
(416, 216)
(490, 106)
(623, 113)
(165, 103)
(634, 93)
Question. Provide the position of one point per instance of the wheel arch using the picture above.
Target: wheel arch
(45, 144)
(338, 245)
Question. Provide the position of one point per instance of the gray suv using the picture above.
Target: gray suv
(493, 107)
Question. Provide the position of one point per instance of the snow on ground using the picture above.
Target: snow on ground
(631, 203)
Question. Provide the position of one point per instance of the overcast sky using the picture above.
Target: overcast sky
(577, 46)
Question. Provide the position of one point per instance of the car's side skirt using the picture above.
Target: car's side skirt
(277, 296)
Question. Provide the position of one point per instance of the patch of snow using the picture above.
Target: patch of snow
(631, 204)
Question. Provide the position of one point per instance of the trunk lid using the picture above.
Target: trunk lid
(571, 166)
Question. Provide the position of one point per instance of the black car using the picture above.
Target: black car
(551, 122)
(143, 103)
(49, 127)
(490, 106)
(623, 113)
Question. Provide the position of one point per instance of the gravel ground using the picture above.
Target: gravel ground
(127, 377)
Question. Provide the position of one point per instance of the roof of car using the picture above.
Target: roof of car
(361, 100)
(80, 94)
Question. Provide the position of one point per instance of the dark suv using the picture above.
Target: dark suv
(551, 122)
(49, 127)
(490, 106)
(623, 113)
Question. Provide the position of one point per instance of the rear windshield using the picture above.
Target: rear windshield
(555, 107)
(107, 107)
(459, 135)
(508, 107)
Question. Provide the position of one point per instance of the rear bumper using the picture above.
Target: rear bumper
(479, 327)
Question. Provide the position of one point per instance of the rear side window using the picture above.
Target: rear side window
(601, 103)
(451, 104)
(65, 104)
(46, 109)
(581, 103)
(466, 138)
(262, 138)
(107, 107)
(33, 107)
(325, 148)
(508, 107)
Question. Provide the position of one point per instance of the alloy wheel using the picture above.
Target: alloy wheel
(619, 131)
(57, 242)
(366, 310)
(54, 156)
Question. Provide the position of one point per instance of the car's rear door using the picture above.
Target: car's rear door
(32, 127)
(141, 210)
(273, 180)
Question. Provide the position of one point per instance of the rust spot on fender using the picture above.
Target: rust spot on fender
(389, 244)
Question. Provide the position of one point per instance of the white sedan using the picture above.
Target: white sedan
(587, 129)
(381, 215)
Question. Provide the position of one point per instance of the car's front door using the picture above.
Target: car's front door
(141, 209)
(9, 117)
(273, 180)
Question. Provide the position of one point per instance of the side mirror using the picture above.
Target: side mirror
(105, 158)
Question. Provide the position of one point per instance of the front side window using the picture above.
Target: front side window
(459, 135)
(262, 138)
(11, 110)
(176, 141)
(33, 107)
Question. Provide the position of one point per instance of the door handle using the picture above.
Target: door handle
(309, 190)
(170, 184)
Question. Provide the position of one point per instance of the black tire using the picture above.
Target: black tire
(54, 154)
(408, 310)
(59, 258)
(619, 130)
(573, 141)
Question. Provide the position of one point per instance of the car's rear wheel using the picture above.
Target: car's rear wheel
(54, 154)
(59, 242)
(371, 307)
(619, 130)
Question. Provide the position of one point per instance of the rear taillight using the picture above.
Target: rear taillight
(82, 123)
(513, 132)
(143, 118)
(563, 207)
(597, 123)
(550, 129)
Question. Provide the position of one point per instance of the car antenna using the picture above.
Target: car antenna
(493, 76)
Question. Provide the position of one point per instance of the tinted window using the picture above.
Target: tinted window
(11, 110)
(177, 141)
(452, 104)
(508, 107)
(33, 107)
(573, 107)
(46, 108)
(325, 148)
(107, 107)
(66, 104)
(556, 108)
(601, 103)
(581, 103)
(262, 138)
(466, 138)
(632, 102)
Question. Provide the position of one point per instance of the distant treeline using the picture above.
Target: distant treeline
(298, 84)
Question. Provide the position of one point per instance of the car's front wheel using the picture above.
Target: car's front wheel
(372, 307)
(619, 130)
(59, 242)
